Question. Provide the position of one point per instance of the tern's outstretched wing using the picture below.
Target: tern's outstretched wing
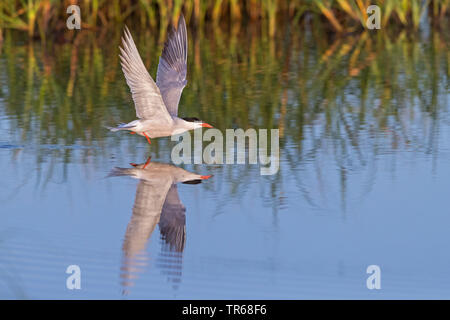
(172, 67)
(146, 95)
(172, 223)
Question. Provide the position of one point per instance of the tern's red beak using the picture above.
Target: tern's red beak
(207, 125)
(206, 177)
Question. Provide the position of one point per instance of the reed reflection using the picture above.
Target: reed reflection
(156, 203)
(345, 101)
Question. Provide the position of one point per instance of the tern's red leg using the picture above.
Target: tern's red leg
(148, 139)
(147, 162)
(132, 132)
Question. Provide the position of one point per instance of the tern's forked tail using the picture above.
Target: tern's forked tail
(121, 126)
(118, 172)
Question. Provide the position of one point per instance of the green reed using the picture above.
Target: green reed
(43, 17)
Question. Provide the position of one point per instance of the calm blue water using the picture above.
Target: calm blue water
(364, 176)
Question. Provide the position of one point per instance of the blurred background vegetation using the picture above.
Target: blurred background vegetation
(308, 68)
(39, 18)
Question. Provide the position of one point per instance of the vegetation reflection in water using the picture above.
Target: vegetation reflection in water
(355, 96)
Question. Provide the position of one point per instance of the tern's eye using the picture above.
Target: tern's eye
(191, 119)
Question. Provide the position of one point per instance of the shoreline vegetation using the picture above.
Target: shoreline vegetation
(60, 90)
(46, 18)
(359, 96)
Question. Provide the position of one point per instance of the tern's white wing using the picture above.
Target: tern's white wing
(172, 67)
(146, 95)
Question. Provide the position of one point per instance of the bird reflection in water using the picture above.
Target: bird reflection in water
(156, 202)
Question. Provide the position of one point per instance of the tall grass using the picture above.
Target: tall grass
(41, 17)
